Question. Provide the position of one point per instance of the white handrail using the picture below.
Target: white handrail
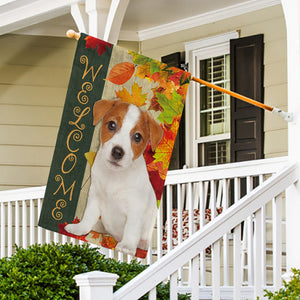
(231, 170)
(22, 194)
(210, 233)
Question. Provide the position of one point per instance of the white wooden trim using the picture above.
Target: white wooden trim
(114, 20)
(194, 51)
(80, 17)
(20, 16)
(206, 18)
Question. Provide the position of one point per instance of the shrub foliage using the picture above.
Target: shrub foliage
(47, 271)
(290, 290)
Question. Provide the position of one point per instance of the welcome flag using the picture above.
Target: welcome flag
(104, 71)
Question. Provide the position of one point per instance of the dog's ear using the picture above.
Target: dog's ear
(100, 109)
(156, 132)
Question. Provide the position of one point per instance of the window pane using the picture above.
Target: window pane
(214, 105)
(214, 153)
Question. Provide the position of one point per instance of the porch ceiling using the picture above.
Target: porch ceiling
(143, 19)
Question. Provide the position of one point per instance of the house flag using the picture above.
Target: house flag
(118, 128)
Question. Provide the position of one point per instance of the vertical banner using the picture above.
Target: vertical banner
(115, 141)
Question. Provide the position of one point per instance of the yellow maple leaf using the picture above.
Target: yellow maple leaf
(143, 71)
(136, 97)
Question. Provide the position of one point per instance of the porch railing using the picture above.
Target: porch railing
(214, 233)
(192, 197)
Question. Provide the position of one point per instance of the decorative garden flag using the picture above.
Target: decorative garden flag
(114, 145)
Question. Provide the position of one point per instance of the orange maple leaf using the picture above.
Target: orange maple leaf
(136, 97)
(164, 150)
(158, 166)
(121, 73)
(95, 235)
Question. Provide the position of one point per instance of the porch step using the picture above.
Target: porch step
(206, 293)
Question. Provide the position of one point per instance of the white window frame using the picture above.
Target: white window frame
(196, 51)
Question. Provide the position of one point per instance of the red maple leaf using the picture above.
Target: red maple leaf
(94, 43)
(62, 230)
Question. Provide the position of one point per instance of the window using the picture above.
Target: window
(214, 112)
(208, 110)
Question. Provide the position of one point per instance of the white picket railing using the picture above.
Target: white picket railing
(188, 191)
(250, 206)
(19, 213)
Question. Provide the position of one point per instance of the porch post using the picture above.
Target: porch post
(291, 10)
(96, 285)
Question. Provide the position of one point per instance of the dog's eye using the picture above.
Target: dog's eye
(112, 126)
(137, 137)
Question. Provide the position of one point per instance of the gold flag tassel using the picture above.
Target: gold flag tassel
(285, 115)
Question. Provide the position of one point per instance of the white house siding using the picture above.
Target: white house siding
(34, 75)
(270, 22)
(33, 80)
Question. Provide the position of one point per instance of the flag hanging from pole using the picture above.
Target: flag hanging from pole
(118, 128)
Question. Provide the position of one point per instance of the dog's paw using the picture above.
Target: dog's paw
(76, 229)
(125, 249)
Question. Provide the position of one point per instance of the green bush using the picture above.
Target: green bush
(290, 291)
(47, 271)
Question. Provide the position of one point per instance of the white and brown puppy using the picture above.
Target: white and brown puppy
(120, 191)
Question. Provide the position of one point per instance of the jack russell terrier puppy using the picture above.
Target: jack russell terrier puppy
(120, 191)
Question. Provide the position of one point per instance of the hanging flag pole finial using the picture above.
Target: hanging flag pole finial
(71, 34)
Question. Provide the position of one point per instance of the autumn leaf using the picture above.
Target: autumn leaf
(90, 157)
(95, 235)
(143, 71)
(139, 58)
(121, 73)
(164, 150)
(172, 108)
(94, 43)
(136, 97)
(185, 78)
(108, 241)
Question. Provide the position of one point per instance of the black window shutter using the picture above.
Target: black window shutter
(246, 77)
(178, 155)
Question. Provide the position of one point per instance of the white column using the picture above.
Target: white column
(292, 18)
(96, 285)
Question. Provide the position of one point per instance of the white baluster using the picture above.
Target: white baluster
(24, 224)
(179, 228)
(194, 282)
(9, 229)
(152, 294)
(2, 224)
(169, 216)
(277, 241)
(258, 287)
(40, 230)
(224, 204)
(173, 286)
(237, 276)
(202, 196)
(249, 233)
(32, 222)
(216, 276)
(17, 224)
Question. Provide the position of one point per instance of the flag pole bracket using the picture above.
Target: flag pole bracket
(285, 115)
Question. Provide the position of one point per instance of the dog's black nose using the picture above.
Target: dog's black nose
(117, 153)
